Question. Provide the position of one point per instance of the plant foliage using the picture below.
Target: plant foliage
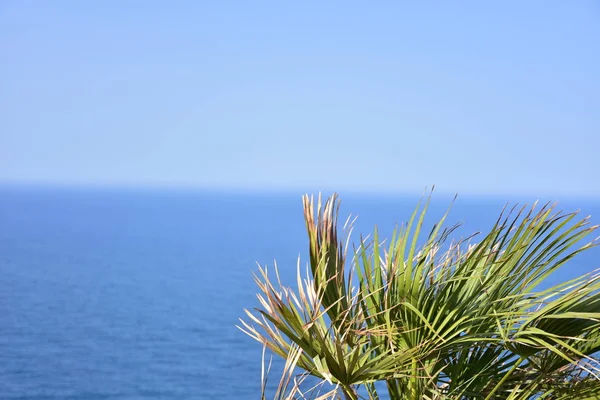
(439, 320)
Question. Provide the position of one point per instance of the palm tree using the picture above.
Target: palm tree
(443, 320)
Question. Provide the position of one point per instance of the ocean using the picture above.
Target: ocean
(135, 294)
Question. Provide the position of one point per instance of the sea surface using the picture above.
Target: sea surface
(135, 294)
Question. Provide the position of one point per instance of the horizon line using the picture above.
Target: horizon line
(282, 190)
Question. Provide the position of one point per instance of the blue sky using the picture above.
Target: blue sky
(474, 97)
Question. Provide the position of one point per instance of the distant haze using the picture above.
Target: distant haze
(474, 97)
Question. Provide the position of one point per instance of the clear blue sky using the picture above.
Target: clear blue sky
(474, 97)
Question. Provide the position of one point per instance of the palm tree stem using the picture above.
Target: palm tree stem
(504, 378)
(349, 393)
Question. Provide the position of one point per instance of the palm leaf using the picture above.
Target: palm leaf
(457, 320)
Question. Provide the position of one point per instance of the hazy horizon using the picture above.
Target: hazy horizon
(352, 192)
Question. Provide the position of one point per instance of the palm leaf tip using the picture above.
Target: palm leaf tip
(327, 255)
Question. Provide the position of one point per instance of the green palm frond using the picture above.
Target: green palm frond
(440, 320)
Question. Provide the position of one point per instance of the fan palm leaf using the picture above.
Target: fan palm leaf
(439, 320)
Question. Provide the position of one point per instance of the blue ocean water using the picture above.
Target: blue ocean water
(125, 294)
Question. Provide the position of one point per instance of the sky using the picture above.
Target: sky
(475, 97)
